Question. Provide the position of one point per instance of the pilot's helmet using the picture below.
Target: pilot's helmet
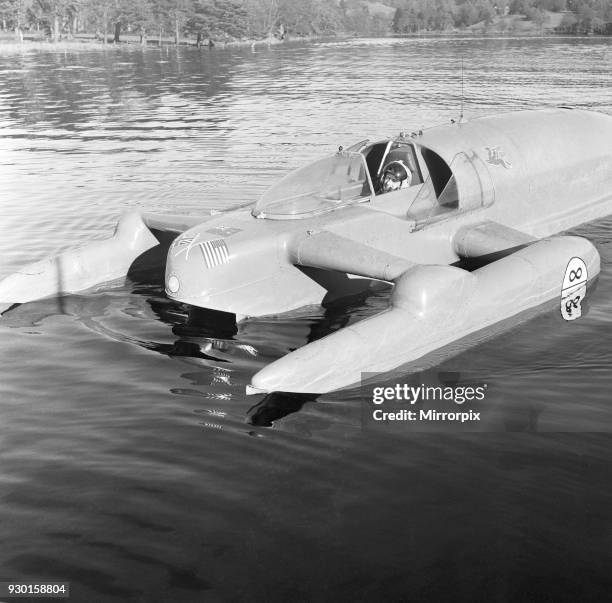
(396, 175)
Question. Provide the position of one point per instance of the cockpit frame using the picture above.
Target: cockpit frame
(353, 176)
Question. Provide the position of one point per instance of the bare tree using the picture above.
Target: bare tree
(264, 15)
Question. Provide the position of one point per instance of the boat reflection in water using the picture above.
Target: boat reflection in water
(222, 356)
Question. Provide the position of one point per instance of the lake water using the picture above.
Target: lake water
(132, 463)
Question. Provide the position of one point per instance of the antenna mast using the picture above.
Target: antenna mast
(461, 115)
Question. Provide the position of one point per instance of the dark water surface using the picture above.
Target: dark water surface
(132, 463)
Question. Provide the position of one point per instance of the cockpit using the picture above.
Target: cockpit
(398, 176)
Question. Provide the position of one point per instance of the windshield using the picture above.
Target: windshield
(317, 188)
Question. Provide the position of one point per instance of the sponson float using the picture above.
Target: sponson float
(409, 210)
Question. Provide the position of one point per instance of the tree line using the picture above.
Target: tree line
(210, 20)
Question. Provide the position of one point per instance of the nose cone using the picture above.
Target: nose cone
(191, 257)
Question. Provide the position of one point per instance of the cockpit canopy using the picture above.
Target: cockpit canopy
(320, 187)
(432, 187)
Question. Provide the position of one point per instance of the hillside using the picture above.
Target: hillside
(518, 25)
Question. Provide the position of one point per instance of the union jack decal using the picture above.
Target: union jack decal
(214, 252)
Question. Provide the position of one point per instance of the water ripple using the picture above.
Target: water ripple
(129, 448)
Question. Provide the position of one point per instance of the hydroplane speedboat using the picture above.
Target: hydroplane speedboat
(409, 211)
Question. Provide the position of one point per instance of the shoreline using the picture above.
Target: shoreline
(10, 45)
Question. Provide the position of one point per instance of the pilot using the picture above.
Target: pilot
(396, 175)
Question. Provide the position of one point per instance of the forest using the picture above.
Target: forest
(211, 21)
(576, 16)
